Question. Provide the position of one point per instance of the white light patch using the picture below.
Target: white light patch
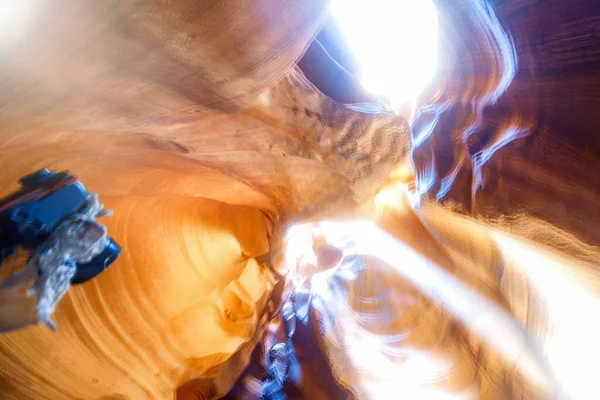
(14, 17)
(394, 41)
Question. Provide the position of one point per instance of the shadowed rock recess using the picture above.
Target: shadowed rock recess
(211, 127)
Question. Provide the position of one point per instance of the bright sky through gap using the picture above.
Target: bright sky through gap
(394, 41)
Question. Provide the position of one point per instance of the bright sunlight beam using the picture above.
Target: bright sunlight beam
(395, 43)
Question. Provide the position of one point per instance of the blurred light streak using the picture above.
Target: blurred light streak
(569, 293)
(489, 322)
(505, 136)
(476, 81)
(372, 356)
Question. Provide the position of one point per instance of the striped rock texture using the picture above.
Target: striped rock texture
(211, 126)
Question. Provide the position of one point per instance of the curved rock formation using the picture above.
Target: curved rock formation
(143, 102)
(192, 121)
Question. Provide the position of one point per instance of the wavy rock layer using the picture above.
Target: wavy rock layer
(509, 126)
(192, 122)
(143, 102)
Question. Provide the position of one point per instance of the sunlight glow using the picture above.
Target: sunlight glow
(382, 363)
(14, 17)
(573, 306)
(395, 42)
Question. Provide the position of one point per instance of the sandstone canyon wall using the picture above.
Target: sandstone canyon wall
(193, 122)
